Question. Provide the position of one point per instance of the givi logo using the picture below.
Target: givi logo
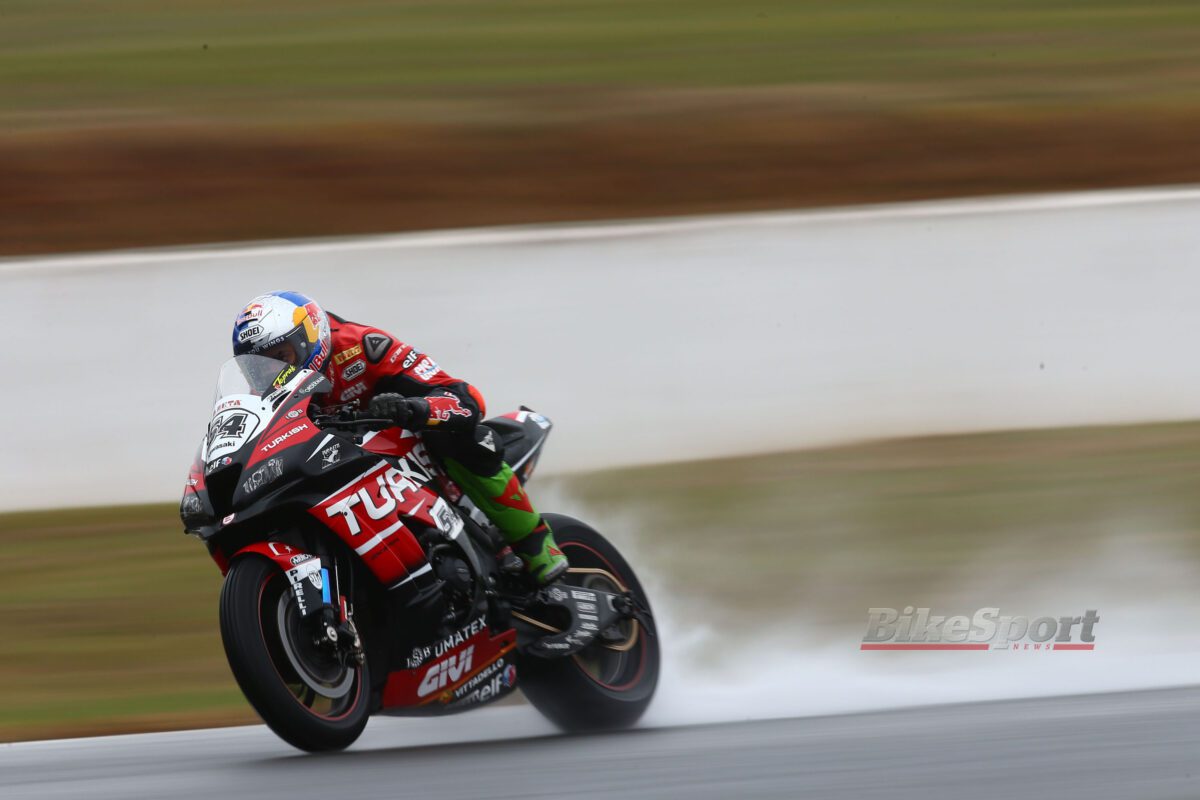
(447, 671)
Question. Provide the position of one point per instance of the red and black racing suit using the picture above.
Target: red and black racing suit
(367, 361)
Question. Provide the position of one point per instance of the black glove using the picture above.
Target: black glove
(396, 407)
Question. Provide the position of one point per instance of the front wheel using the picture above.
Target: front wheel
(310, 699)
(610, 683)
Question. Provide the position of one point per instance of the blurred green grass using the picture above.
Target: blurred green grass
(809, 540)
(115, 610)
(66, 62)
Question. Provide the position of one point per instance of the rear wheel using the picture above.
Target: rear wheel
(610, 683)
(303, 693)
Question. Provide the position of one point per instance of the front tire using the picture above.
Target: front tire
(306, 698)
(602, 687)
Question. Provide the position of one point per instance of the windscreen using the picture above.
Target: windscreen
(258, 376)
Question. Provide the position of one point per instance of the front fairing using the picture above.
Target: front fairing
(259, 413)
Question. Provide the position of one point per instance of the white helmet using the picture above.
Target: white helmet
(284, 325)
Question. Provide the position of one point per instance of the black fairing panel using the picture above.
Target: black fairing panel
(522, 435)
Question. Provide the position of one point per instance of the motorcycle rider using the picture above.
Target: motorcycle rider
(398, 383)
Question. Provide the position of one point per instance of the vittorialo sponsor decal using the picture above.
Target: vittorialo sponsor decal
(489, 684)
(917, 628)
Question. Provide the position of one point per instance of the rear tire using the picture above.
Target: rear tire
(327, 707)
(599, 688)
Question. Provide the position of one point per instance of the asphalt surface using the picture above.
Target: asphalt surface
(1127, 746)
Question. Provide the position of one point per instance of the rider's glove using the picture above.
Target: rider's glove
(405, 412)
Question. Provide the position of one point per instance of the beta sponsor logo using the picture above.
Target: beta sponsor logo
(283, 437)
(346, 355)
(354, 370)
(449, 670)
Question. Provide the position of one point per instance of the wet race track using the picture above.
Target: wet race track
(1130, 745)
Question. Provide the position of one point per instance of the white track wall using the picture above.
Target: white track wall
(649, 341)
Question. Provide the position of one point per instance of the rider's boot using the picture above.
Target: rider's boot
(502, 498)
(543, 560)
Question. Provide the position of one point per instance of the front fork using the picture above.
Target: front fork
(334, 631)
(331, 624)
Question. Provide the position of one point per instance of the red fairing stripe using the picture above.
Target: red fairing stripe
(390, 442)
(285, 556)
(368, 515)
(284, 433)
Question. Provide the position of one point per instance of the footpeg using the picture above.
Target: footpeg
(591, 611)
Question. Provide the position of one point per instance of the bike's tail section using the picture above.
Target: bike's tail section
(522, 434)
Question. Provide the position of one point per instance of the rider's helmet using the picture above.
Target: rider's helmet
(283, 325)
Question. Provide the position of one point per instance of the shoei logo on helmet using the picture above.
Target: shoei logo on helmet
(249, 333)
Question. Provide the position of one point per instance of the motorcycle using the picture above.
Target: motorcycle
(360, 579)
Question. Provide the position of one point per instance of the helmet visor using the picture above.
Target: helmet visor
(293, 347)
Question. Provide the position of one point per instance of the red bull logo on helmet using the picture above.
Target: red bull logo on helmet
(251, 313)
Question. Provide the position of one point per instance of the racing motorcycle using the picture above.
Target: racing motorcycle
(360, 579)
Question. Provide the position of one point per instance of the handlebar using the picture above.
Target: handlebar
(350, 420)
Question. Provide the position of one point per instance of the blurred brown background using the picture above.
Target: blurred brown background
(126, 123)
